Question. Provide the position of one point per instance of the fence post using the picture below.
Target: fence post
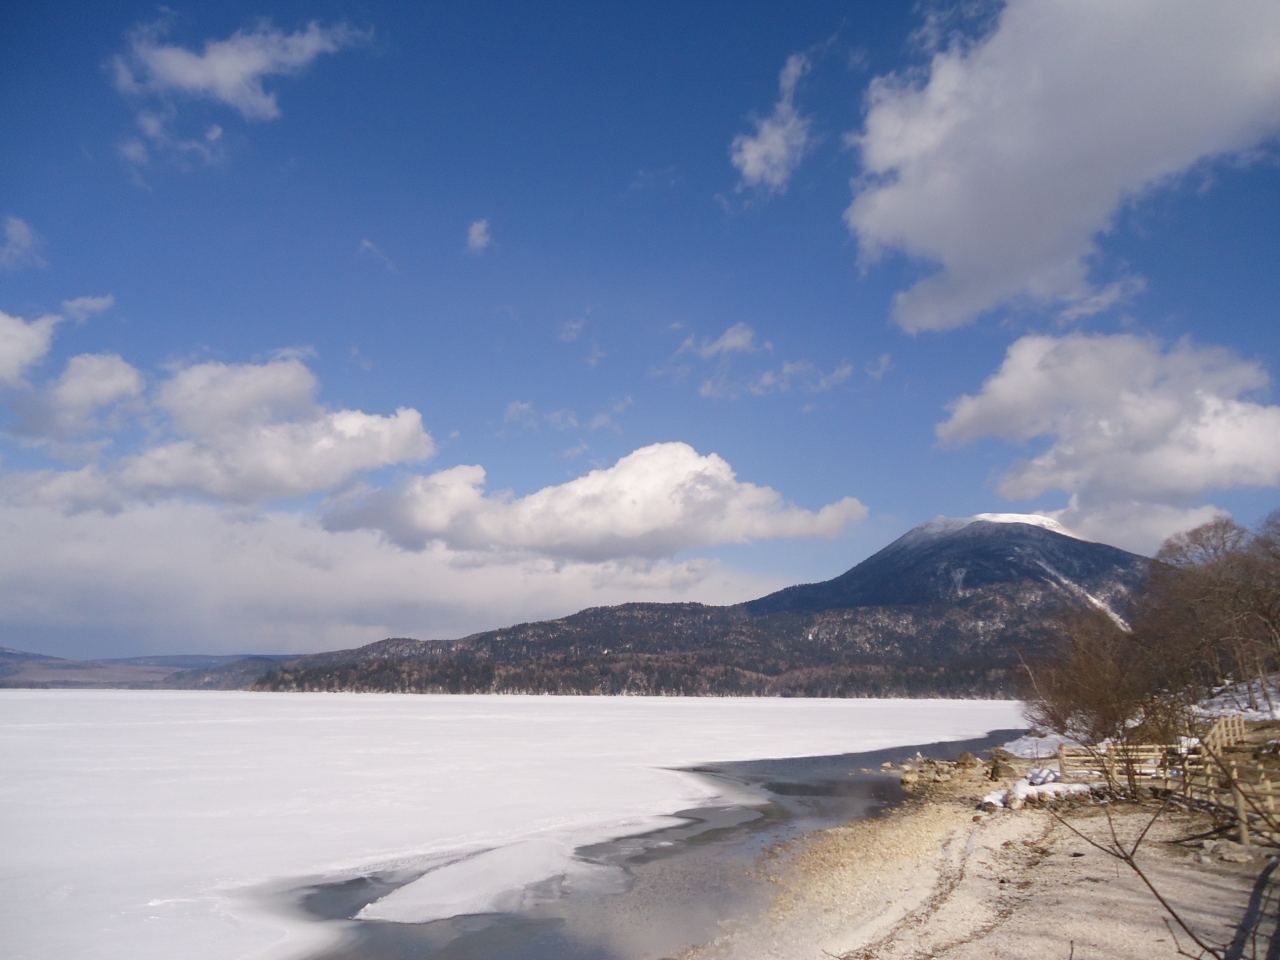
(1242, 811)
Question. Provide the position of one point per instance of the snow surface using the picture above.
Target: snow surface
(1252, 700)
(1043, 782)
(150, 825)
(943, 525)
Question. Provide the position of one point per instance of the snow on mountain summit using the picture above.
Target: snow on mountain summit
(943, 525)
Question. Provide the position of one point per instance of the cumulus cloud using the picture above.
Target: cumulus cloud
(478, 237)
(229, 71)
(1132, 524)
(1127, 422)
(89, 384)
(770, 156)
(23, 343)
(253, 433)
(232, 433)
(656, 502)
(21, 247)
(1003, 162)
(176, 535)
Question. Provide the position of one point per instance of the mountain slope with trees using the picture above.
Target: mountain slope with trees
(947, 610)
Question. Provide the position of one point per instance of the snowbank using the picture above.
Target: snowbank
(147, 824)
(1252, 700)
(1044, 783)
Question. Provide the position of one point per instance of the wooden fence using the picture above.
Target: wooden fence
(1217, 772)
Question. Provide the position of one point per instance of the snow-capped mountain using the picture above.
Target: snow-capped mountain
(948, 559)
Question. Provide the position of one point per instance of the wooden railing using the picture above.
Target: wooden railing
(1213, 773)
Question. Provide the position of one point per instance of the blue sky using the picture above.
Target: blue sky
(324, 323)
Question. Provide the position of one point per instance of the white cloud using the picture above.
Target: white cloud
(737, 339)
(655, 502)
(570, 330)
(883, 365)
(561, 419)
(21, 246)
(82, 308)
(176, 576)
(740, 338)
(1132, 525)
(1104, 299)
(22, 344)
(90, 382)
(478, 237)
(1013, 153)
(245, 434)
(254, 433)
(520, 411)
(229, 71)
(770, 156)
(1127, 422)
(799, 373)
(169, 540)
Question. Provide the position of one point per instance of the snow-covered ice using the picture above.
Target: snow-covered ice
(146, 824)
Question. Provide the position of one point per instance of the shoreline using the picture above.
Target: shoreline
(672, 886)
(937, 878)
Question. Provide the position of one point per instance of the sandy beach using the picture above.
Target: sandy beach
(938, 878)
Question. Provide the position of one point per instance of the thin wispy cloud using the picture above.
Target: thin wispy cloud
(768, 157)
(882, 365)
(478, 237)
(570, 330)
(230, 72)
(368, 248)
(21, 247)
(739, 338)
(82, 308)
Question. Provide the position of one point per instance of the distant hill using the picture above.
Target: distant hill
(943, 610)
(190, 671)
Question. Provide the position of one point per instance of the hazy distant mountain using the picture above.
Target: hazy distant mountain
(942, 610)
(187, 671)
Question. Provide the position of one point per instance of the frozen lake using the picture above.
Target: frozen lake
(155, 824)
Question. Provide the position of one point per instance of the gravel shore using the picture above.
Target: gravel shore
(938, 878)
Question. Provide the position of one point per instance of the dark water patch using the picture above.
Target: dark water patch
(344, 899)
(671, 887)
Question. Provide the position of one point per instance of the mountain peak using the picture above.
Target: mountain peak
(950, 558)
(943, 525)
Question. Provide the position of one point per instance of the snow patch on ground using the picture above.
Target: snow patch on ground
(1252, 700)
(1042, 783)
